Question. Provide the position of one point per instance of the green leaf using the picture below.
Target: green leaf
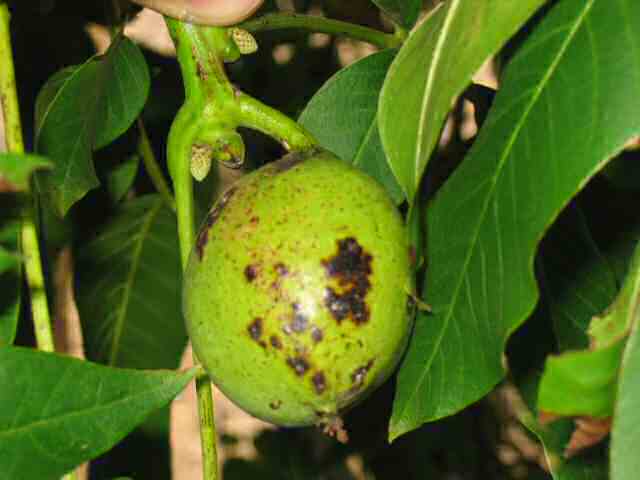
(85, 108)
(584, 382)
(579, 281)
(625, 436)
(403, 12)
(535, 151)
(121, 178)
(343, 116)
(129, 285)
(433, 67)
(57, 412)
(11, 277)
(16, 170)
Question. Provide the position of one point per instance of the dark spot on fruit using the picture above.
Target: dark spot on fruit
(300, 321)
(209, 222)
(281, 269)
(299, 365)
(254, 220)
(351, 268)
(288, 162)
(250, 273)
(360, 373)
(255, 329)
(319, 382)
(276, 342)
(316, 335)
(275, 405)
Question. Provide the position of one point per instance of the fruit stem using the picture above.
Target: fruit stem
(313, 23)
(29, 235)
(153, 169)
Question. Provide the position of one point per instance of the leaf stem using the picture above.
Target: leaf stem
(29, 235)
(153, 169)
(313, 23)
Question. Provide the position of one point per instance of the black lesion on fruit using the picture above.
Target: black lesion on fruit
(319, 382)
(209, 222)
(275, 405)
(281, 269)
(359, 374)
(275, 342)
(250, 273)
(351, 267)
(255, 329)
(299, 365)
(316, 335)
(300, 321)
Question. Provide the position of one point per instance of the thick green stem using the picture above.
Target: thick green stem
(153, 169)
(312, 23)
(29, 235)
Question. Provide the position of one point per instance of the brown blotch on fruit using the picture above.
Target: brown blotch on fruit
(299, 365)
(250, 273)
(316, 335)
(360, 373)
(275, 342)
(351, 268)
(275, 405)
(212, 218)
(255, 329)
(287, 162)
(319, 382)
(281, 269)
(300, 321)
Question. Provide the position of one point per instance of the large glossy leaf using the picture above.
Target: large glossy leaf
(584, 382)
(16, 170)
(343, 116)
(540, 144)
(403, 12)
(84, 108)
(129, 287)
(625, 435)
(433, 67)
(57, 412)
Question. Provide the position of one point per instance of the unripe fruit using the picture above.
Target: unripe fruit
(295, 295)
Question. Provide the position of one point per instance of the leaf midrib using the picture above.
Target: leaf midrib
(137, 251)
(501, 163)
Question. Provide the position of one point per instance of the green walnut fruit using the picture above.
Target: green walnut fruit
(295, 295)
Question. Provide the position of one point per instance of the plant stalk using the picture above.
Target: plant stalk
(316, 24)
(153, 169)
(29, 235)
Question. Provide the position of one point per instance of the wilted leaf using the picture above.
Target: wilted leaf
(57, 412)
(534, 152)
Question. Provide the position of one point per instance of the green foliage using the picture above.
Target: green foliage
(433, 67)
(495, 244)
(128, 288)
(17, 169)
(343, 116)
(56, 412)
(403, 12)
(82, 109)
(534, 152)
